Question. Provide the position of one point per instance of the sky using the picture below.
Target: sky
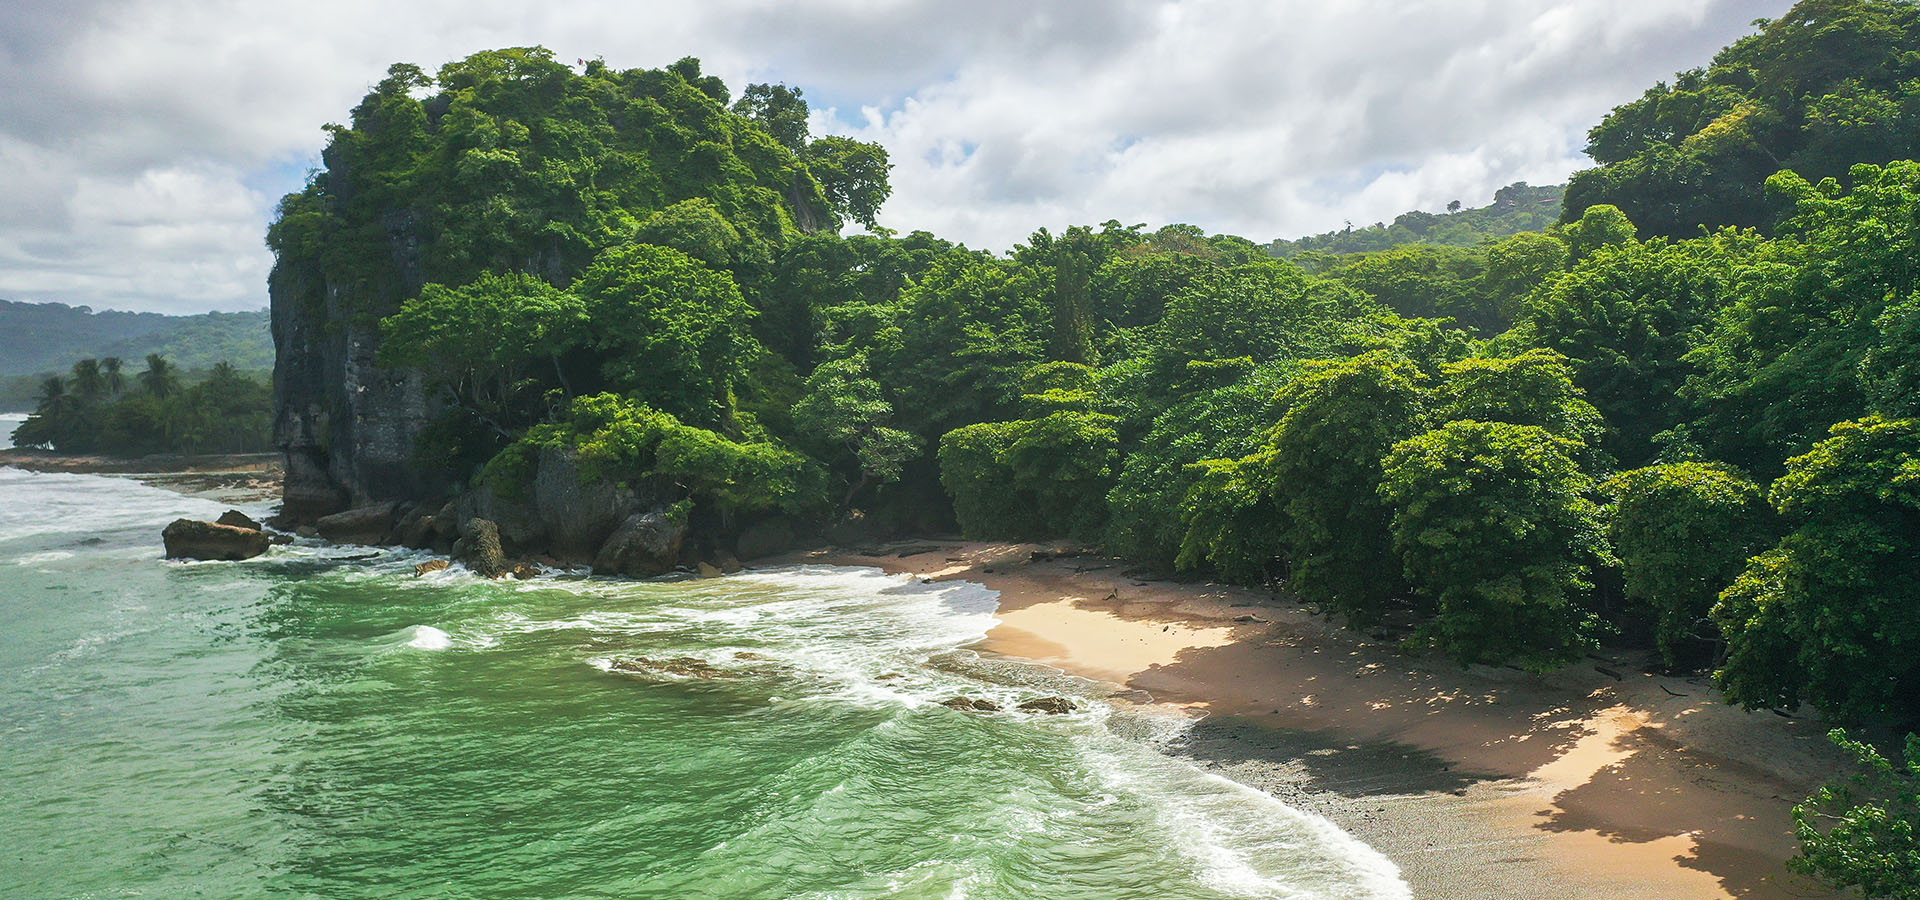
(145, 143)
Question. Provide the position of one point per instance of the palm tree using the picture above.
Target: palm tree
(158, 380)
(87, 380)
(54, 398)
(110, 373)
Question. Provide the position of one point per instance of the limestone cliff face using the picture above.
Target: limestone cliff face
(346, 425)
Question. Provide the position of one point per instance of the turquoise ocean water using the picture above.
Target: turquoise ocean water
(318, 723)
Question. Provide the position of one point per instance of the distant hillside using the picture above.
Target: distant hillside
(1517, 207)
(48, 337)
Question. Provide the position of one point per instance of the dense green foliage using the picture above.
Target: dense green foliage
(1830, 84)
(1865, 832)
(1516, 208)
(1682, 532)
(631, 443)
(103, 407)
(1427, 434)
(41, 339)
(1828, 616)
(1493, 521)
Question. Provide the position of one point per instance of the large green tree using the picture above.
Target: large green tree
(1494, 522)
(1831, 616)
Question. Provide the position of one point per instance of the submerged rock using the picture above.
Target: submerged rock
(971, 704)
(1052, 706)
(193, 539)
(681, 666)
(645, 545)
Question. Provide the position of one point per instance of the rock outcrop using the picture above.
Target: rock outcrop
(645, 545)
(1052, 706)
(193, 539)
(372, 524)
(578, 511)
(238, 519)
(479, 548)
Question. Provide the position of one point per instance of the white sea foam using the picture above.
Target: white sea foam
(427, 637)
(59, 503)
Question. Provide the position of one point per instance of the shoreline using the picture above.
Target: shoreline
(1600, 780)
(228, 477)
(1478, 783)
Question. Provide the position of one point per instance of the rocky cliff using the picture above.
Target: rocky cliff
(346, 424)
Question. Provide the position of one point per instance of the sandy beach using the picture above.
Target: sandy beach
(1598, 781)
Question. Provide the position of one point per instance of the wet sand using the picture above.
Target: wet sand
(1598, 781)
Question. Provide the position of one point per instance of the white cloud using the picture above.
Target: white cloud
(145, 141)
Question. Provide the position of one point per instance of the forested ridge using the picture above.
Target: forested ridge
(42, 338)
(1685, 416)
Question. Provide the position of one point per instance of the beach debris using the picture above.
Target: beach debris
(971, 704)
(1249, 617)
(432, 565)
(194, 539)
(1052, 706)
(1670, 691)
(1606, 671)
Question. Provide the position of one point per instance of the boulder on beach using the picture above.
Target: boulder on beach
(360, 525)
(194, 539)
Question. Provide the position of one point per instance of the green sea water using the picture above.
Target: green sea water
(319, 723)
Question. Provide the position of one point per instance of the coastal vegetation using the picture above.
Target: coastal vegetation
(106, 407)
(1683, 415)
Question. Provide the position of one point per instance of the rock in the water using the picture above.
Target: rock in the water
(432, 565)
(524, 571)
(645, 545)
(971, 704)
(1052, 706)
(192, 539)
(479, 548)
(361, 525)
(238, 519)
(708, 570)
(679, 666)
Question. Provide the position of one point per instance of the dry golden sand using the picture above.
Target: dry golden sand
(1478, 782)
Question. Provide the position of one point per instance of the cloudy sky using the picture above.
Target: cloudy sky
(143, 143)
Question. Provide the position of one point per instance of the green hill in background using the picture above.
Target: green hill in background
(1515, 208)
(49, 337)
